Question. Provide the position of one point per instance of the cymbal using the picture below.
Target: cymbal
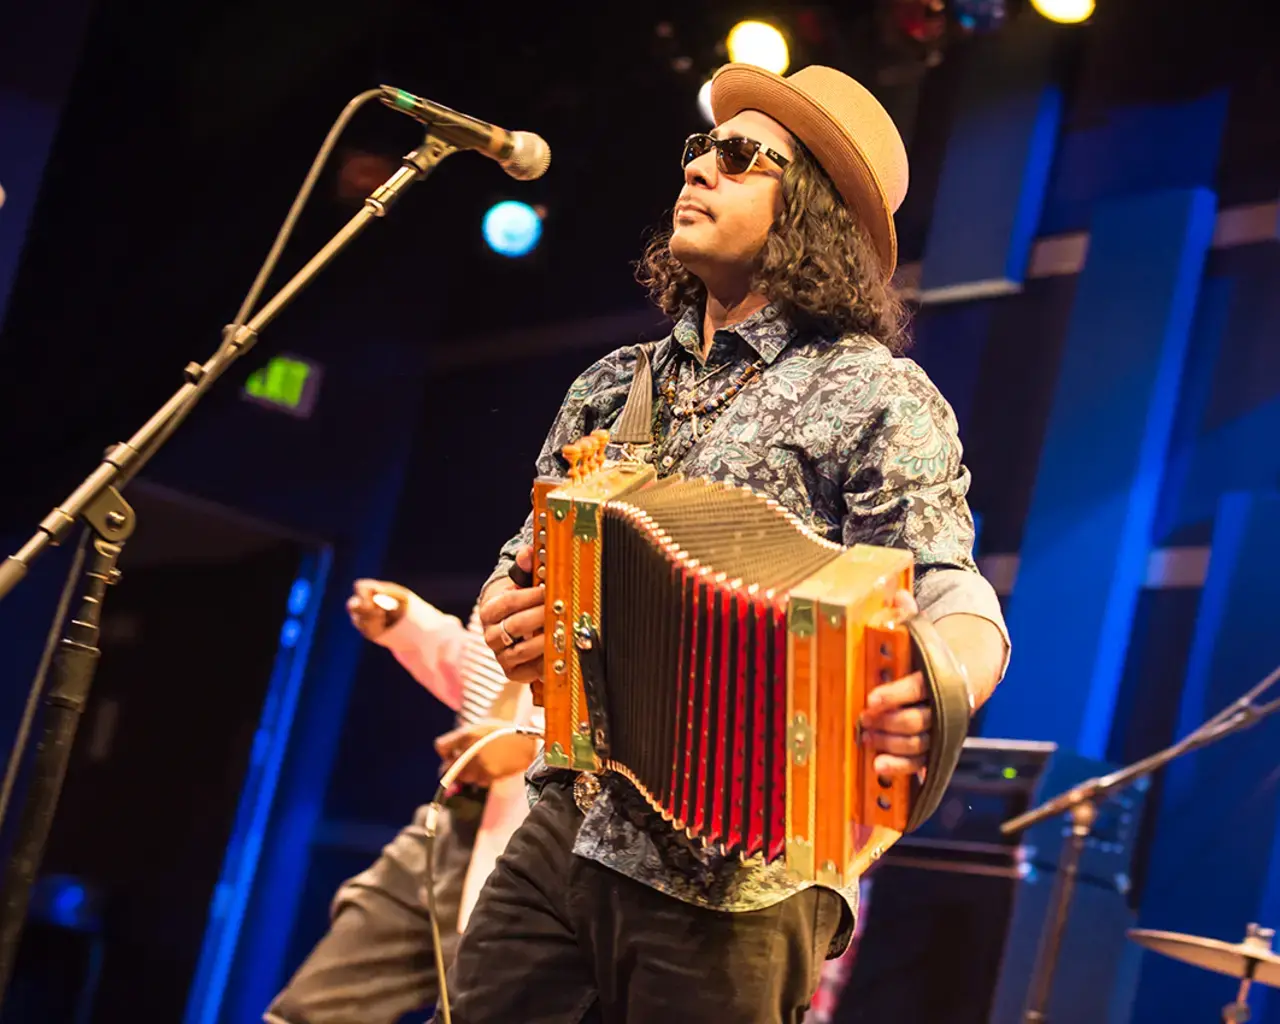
(1230, 958)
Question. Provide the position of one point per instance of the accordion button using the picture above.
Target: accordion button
(668, 461)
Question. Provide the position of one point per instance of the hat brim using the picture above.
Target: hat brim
(739, 87)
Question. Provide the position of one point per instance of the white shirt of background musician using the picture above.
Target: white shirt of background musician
(453, 663)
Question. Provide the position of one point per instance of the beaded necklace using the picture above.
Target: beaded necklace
(707, 409)
(715, 403)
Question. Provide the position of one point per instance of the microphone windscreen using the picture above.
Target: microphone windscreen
(530, 156)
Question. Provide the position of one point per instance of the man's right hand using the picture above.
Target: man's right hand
(367, 616)
(513, 619)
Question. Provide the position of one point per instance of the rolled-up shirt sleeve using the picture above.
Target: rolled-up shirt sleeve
(428, 644)
(944, 592)
(906, 486)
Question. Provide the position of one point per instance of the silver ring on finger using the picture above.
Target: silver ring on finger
(507, 638)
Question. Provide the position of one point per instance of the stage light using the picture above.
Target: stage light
(758, 43)
(299, 596)
(978, 17)
(289, 633)
(512, 228)
(66, 902)
(921, 21)
(1067, 12)
(704, 102)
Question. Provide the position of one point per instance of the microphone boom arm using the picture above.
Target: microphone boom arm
(523, 155)
(109, 521)
(125, 460)
(1081, 804)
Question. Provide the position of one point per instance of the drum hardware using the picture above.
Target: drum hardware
(1081, 804)
(1251, 961)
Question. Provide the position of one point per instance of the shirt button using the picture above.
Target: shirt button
(667, 461)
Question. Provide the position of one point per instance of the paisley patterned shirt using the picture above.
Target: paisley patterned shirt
(858, 444)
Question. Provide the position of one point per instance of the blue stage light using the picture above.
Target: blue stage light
(299, 596)
(289, 633)
(512, 228)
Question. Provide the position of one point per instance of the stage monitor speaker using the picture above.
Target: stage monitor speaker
(956, 912)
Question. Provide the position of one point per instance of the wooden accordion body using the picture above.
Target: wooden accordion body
(705, 645)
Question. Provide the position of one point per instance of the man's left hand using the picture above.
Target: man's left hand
(898, 718)
(507, 755)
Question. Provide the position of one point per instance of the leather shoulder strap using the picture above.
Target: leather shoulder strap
(949, 697)
(635, 423)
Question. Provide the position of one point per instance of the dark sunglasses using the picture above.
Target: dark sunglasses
(733, 156)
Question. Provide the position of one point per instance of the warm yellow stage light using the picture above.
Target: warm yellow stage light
(1068, 12)
(758, 43)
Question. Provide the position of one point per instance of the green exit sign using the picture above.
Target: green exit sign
(288, 383)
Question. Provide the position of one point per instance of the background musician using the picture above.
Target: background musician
(782, 373)
(375, 963)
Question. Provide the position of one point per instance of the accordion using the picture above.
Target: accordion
(705, 645)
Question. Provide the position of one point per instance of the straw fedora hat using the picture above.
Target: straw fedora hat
(842, 124)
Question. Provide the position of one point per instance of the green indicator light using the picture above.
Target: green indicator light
(286, 382)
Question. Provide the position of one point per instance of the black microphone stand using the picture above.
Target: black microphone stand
(108, 522)
(1081, 803)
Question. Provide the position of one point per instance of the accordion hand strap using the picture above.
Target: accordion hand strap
(949, 697)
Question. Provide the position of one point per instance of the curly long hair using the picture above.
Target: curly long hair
(818, 265)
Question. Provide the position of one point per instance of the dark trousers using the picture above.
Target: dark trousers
(558, 939)
(376, 962)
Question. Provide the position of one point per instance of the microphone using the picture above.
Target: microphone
(522, 155)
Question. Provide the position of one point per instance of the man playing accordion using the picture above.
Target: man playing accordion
(783, 374)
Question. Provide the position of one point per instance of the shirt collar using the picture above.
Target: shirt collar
(766, 332)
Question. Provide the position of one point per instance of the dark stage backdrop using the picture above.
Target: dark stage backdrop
(189, 639)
